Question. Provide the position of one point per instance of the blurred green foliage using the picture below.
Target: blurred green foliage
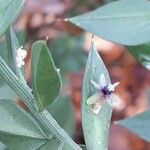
(67, 52)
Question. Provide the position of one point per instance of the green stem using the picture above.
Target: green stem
(44, 117)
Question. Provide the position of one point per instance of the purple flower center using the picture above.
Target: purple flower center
(106, 91)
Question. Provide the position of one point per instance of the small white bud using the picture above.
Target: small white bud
(20, 56)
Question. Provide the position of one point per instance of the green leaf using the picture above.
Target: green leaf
(12, 47)
(18, 130)
(83, 146)
(62, 112)
(5, 49)
(138, 124)
(2, 146)
(52, 144)
(9, 10)
(67, 52)
(141, 53)
(125, 22)
(6, 92)
(45, 76)
(95, 126)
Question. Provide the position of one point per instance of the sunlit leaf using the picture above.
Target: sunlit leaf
(125, 22)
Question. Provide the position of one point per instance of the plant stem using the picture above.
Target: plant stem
(24, 92)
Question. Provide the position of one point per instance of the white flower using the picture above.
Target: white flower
(104, 94)
(20, 56)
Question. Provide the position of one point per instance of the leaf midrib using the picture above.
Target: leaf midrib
(144, 16)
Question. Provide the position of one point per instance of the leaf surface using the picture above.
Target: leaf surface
(45, 76)
(125, 22)
(18, 130)
(138, 124)
(9, 10)
(95, 126)
(141, 53)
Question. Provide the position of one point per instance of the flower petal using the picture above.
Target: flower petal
(96, 86)
(102, 81)
(93, 99)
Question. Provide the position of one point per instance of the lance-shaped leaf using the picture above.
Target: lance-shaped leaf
(45, 76)
(95, 126)
(141, 53)
(125, 22)
(138, 124)
(9, 10)
(18, 130)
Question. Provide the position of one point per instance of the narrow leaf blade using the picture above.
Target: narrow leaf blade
(95, 127)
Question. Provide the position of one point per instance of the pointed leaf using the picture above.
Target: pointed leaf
(141, 53)
(45, 76)
(18, 130)
(95, 126)
(138, 124)
(125, 22)
(9, 10)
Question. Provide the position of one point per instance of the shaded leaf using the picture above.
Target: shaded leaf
(45, 76)
(62, 112)
(82, 146)
(125, 22)
(141, 53)
(9, 10)
(95, 126)
(67, 52)
(18, 130)
(138, 124)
